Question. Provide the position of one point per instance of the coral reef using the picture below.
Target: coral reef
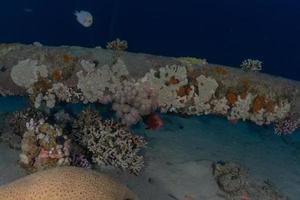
(171, 85)
(66, 183)
(109, 142)
(44, 146)
(17, 120)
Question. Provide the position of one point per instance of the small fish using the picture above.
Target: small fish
(85, 18)
(153, 121)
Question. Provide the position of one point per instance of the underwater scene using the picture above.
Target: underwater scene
(150, 100)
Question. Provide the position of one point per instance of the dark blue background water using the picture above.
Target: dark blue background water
(222, 31)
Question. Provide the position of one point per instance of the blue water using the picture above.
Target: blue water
(12, 104)
(224, 32)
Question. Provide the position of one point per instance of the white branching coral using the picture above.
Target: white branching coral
(251, 65)
(220, 106)
(133, 100)
(110, 143)
(49, 99)
(167, 81)
(99, 84)
(26, 73)
(62, 92)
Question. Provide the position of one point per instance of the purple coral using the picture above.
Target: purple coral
(80, 160)
(286, 126)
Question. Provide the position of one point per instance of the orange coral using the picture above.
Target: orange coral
(245, 88)
(66, 58)
(220, 70)
(231, 98)
(56, 74)
(246, 84)
(183, 91)
(172, 81)
(258, 103)
(42, 85)
(269, 106)
(244, 94)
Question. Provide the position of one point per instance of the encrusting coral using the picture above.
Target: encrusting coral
(65, 183)
(26, 72)
(166, 82)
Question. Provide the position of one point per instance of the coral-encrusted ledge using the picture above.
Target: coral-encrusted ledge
(138, 84)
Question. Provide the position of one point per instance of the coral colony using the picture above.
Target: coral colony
(251, 65)
(55, 138)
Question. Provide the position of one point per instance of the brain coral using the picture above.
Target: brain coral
(65, 183)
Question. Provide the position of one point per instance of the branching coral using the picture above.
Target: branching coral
(117, 45)
(110, 143)
(287, 125)
(251, 65)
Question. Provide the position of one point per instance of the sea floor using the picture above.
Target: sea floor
(179, 157)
